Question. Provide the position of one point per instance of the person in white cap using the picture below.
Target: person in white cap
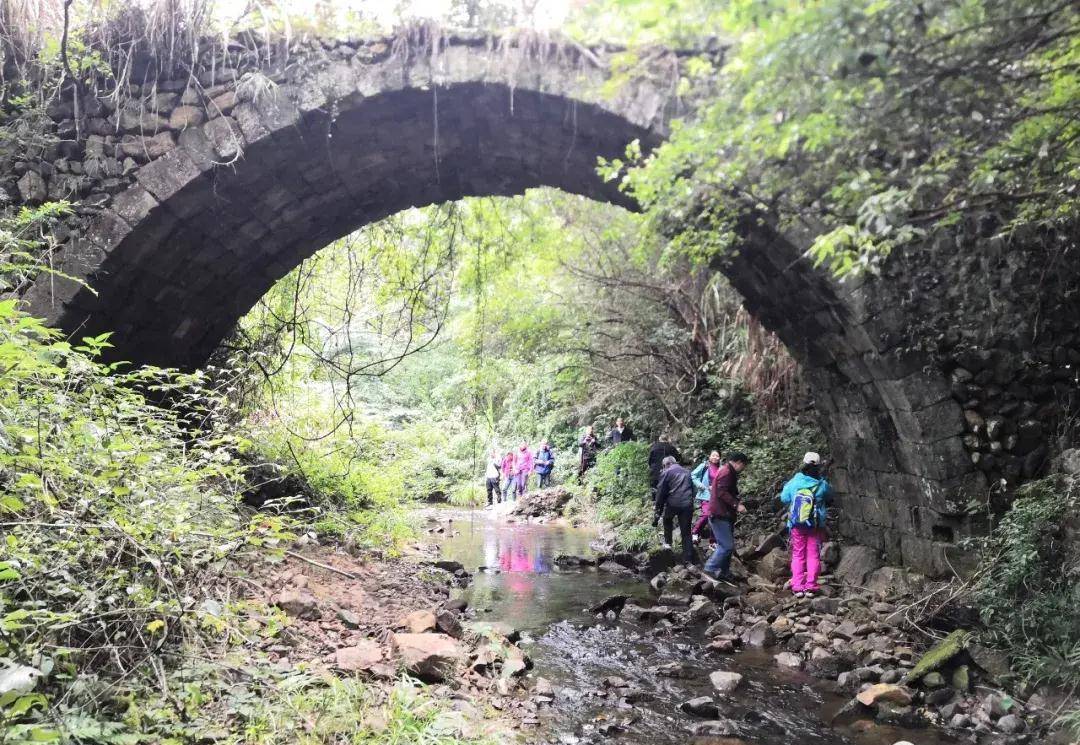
(808, 495)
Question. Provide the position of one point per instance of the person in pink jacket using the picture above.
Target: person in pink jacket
(523, 466)
(508, 474)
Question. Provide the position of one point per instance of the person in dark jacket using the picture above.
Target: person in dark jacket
(621, 432)
(659, 450)
(675, 501)
(724, 505)
(589, 446)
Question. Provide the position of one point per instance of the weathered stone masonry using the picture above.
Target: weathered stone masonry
(935, 382)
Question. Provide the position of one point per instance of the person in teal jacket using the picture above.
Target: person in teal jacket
(702, 477)
(807, 537)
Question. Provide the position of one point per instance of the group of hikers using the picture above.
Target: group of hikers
(710, 492)
(712, 489)
(506, 477)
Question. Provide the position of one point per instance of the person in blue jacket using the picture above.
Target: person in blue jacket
(544, 464)
(702, 477)
(808, 494)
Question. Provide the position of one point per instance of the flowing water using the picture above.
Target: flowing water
(518, 583)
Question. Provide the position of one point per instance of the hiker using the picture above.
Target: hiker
(724, 505)
(620, 433)
(508, 474)
(589, 445)
(545, 464)
(703, 477)
(523, 466)
(491, 477)
(659, 450)
(675, 501)
(809, 494)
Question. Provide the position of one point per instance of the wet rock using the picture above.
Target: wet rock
(940, 696)
(725, 682)
(823, 664)
(718, 728)
(298, 604)
(431, 657)
(454, 567)
(566, 561)
(899, 716)
(722, 645)
(775, 565)
(613, 603)
(543, 687)
(360, 657)
(613, 567)
(672, 670)
(647, 615)
(884, 692)
(760, 635)
(856, 564)
(418, 622)
(760, 600)
(848, 681)
(659, 560)
(960, 721)
(788, 659)
(658, 582)
(720, 628)
(614, 681)
(702, 706)
(997, 704)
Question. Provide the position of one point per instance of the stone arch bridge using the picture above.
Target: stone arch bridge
(200, 191)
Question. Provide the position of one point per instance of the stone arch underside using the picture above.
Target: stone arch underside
(195, 246)
(223, 193)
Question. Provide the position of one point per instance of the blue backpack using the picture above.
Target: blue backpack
(804, 508)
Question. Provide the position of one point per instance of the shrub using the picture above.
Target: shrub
(1027, 586)
(619, 485)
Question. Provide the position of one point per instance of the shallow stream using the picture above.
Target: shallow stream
(520, 585)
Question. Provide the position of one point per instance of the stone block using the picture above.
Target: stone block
(168, 174)
(930, 424)
(249, 119)
(225, 137)
(133, 204)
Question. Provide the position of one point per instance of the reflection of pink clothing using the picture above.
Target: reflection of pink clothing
(523, 461)
(520, 561)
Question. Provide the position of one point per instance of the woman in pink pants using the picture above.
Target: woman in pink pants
(808, 495)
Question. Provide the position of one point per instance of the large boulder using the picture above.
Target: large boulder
(430, 657)
(857, 563)
(543, 503)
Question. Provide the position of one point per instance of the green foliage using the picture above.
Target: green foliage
(618, 485)
(879, 122)
(1027, 586)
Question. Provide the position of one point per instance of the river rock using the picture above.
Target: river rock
(823, 664)
(718, 728)
(723, 627)
(725, 682)
(493, 628)
(567, 561)
(430, 657)
(647, 615)
(760, 635)
(933, 680)
(613, 603)
(723, 645)
(825, 605)
(991, 661)
(360, 657)
(788, 659)
(448, 623)
(672, 670)
(701, 609)
(613, 567)
(659, 560)
(940, 654)
(883, 692)
(702, 706)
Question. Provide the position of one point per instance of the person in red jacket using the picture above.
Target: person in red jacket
(724, 505)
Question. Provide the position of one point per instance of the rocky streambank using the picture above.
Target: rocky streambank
(856, 636)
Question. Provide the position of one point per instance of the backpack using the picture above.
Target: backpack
(804, 512)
